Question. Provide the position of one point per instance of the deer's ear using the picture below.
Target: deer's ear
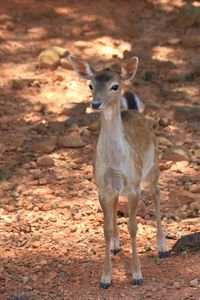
(82, 68)
(129, 68)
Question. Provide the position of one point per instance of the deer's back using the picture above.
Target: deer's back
(140, 135)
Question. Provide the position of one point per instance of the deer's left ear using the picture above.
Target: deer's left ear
(129, 68)
(82, 68)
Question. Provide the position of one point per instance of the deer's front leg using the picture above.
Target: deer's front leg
(115, 247)
(132, 227)
(107, 207)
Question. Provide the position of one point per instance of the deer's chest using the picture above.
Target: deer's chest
(113, 166)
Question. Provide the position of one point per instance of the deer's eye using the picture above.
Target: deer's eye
(91, 87)
(115, 87)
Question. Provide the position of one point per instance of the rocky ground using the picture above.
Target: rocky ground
(51, 235)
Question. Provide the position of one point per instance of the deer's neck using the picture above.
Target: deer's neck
(111, 122)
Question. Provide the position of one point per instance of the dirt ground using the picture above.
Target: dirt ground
(51, 233)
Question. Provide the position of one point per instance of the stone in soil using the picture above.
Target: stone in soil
(163, 141)
(71, 140)
(190, 242)
(45, 161)
(46, 146)
(176, 153)
(49, 58)
(194, 282)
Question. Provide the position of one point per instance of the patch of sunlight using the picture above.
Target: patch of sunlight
(11, 71)
(11, 46)
(190, 91)
(168, 5)
(105, 46)
(63, 10)
(163, 53)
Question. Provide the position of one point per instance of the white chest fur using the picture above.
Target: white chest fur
(114, 167)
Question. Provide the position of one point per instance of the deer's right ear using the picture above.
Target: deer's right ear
(82, 68)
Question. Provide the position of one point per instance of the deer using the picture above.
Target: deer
(126, 155)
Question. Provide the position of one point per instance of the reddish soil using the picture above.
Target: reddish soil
(51, 233)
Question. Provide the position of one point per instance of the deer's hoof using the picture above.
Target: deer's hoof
(138, 281)
(104, 285)
(163, 254)
(115, 251)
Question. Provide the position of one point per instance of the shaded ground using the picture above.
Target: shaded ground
(51, 236)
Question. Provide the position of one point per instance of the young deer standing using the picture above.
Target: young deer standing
(126, 154)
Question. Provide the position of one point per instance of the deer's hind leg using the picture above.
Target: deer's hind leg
(132, 227)
(161, 241)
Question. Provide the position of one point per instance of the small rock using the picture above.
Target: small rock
(164, 122)
(10, 26)
(43, 181)
(36, 174)
(45, 161)
(194, 188)
(122, 295)
(194, 282)
(179, 166)
(165, 166)
(74, 128)
(177, 285)
(187, 243)
(46, 146)
(37, 33)
(72, 140)
(49, 58)
(25, 279)
(40, 128)
(197, 153)
(195, 205)
(73, 228)
(9, 208)
(176, 153)
(190, 221)
(163, 141)
(62, 52)
(47, 207)
(174, 41)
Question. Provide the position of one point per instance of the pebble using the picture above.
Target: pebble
(71, 140)
(194, 282)
(46, 146)
(73, 228)
(45, 161)
(177, 285)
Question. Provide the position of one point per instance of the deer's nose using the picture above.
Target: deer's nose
(96, 104)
